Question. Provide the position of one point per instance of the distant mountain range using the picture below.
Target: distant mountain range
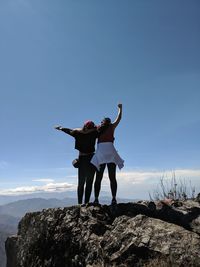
(58, 195)
(11, 213)
(20, 207)
(53, 195)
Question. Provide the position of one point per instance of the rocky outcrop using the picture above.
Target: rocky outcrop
(132, 234)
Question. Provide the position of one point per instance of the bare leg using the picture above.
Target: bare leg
(113, 181)
(97, 184)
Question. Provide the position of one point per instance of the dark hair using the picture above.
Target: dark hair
(105, 123)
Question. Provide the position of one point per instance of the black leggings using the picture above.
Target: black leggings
(112, 177)
(86, 173)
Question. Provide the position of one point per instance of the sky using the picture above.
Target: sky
(64, 62)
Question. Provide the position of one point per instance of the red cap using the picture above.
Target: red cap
(89, 124)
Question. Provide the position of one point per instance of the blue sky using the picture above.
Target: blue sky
(63, 62)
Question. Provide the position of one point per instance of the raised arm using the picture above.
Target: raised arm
(119, 116)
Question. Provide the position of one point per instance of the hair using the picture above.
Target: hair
(105, 123)
(88, 125)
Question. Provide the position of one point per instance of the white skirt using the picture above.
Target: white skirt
(106, 153)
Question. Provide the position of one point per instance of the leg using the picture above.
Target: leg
(89, 181)
(113, 181)
(81, 182)
(97, 184)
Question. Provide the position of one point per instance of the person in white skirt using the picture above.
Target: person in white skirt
(106, 154)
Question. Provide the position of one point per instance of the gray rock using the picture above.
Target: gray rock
(134, 234)
(134, 241)
(198, 198)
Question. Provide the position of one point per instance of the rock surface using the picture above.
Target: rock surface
(132, 234)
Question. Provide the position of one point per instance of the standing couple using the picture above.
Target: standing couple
(91, 162)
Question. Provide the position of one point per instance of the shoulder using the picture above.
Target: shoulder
(112, 126)
(76, 133)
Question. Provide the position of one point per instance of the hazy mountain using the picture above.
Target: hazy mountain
(8, 223)
(20, 207)
(58, 195)
(47, 195)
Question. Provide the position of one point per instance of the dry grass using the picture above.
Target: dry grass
(173, 188)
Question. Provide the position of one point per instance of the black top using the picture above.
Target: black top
(84, 142)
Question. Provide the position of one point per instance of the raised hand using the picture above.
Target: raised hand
(119, 105)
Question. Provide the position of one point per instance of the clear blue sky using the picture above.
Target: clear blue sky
(65, 61)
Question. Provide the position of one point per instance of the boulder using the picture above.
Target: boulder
(131, 234)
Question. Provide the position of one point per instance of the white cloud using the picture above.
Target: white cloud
(133, 183)
(44, 180)
(141, 177)
(187, 173)
(138, 184)
(50, 187)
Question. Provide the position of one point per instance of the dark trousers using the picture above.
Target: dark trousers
(86, 173)
(112, 177)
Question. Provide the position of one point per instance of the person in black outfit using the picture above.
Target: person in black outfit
(85, 140)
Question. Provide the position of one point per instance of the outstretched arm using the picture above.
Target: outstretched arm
(119, 116)
(65, 130)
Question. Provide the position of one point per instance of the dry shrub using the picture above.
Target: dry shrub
(173, 188)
